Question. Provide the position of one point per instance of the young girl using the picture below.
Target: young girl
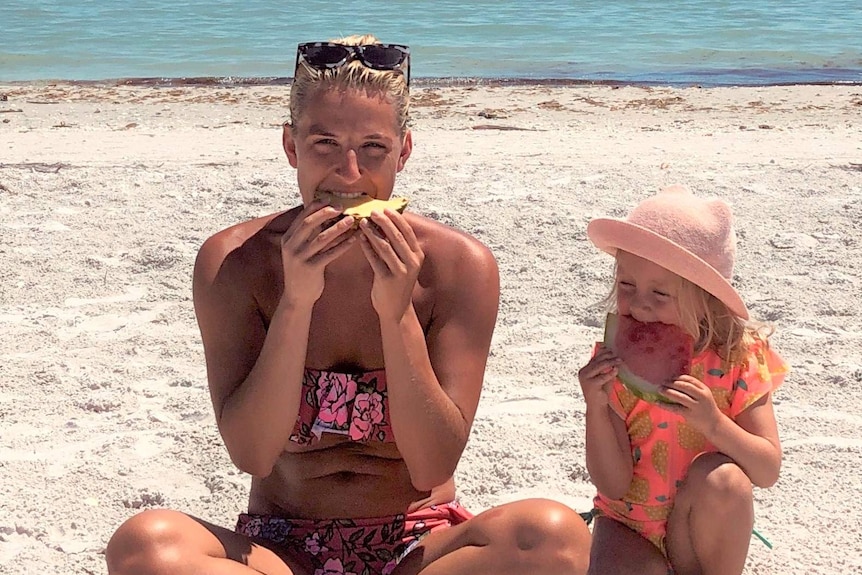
(674, 480)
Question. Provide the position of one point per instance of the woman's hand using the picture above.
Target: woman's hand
(308, 246)
(597, 376)
(393, 251)
(694, 401)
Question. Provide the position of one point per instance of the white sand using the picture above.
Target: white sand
(106, 194)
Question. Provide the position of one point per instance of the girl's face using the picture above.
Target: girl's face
(646, 291)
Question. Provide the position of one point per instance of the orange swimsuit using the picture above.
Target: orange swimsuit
(663, 445)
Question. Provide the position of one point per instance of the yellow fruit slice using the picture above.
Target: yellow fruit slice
(362, 206)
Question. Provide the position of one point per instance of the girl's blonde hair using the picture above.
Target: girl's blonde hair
(391, 84)
(715, 327)
(710, 322)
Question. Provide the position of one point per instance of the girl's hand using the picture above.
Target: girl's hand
(598, 375)
(694, 401)
(308, 246)
(396, 257)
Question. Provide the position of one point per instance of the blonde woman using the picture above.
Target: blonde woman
(345, 365)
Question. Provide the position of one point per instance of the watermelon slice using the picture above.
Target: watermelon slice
(653, 354)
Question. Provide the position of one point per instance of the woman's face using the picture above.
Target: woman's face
(646, 291)
(347, 142)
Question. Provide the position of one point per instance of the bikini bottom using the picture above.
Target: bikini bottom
(350, 546)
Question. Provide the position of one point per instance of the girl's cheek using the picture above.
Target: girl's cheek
(622, 305)
(677, 315)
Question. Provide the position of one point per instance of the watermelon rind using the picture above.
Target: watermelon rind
(640, 387)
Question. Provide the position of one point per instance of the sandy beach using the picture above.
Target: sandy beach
(107, 192)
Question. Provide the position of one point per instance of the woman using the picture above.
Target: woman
(345, 364)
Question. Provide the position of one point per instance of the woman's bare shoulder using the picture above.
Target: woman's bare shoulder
(454, 259)
(240, 242)
(445, 242)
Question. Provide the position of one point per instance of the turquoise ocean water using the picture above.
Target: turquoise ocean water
(707, 42)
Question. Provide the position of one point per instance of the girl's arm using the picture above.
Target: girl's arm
(609, 458)
(751, 441)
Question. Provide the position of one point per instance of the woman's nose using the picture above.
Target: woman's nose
(350, 165)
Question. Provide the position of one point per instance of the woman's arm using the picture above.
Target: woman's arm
(255, 371)
(434, 374)
(254, 374)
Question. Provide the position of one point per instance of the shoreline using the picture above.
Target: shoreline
(443, 82)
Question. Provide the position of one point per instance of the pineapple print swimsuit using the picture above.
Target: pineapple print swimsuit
(663, 445)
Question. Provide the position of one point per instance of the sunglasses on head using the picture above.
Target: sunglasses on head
(322, 56)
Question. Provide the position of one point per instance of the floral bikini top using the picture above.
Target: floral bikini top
(351, 404)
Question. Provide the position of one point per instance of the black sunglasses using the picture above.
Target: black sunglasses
(327, 55)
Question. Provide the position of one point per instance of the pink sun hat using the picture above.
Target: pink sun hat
(690, 236)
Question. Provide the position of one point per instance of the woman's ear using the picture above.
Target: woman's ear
(288, 143)
(406, 149)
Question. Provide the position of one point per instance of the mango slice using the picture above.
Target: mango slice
(362, 206)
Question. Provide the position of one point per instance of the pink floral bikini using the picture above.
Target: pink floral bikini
(355, 405)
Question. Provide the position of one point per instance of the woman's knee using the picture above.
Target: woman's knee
(560, 524)
(544, 533)
(146, 543)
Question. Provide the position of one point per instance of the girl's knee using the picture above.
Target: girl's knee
(715, 478)
(620, 550)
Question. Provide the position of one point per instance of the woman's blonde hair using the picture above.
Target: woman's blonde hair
(391, 84)
(710, 322)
